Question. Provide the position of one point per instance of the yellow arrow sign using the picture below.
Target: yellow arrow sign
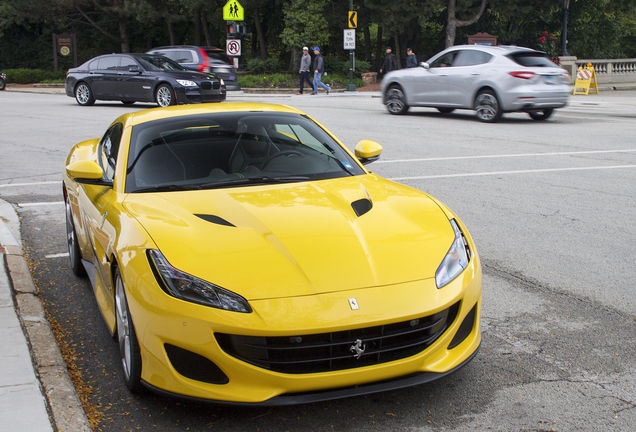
(353, 19)
(233, 11)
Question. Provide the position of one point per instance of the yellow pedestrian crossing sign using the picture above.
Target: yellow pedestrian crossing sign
(233, 11)
(353, 19)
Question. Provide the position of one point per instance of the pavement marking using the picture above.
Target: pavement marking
(503, 156)
(509, 172)
(60, 255)
(29, 184)
(40, 204)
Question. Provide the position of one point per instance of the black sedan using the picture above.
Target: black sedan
(134, 78)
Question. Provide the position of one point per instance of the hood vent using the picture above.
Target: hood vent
(215, 219)
(361, 206)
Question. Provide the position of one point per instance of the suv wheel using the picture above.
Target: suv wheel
(395, 100)
(487, 106)
(541, 115)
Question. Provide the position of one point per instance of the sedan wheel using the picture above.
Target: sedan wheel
(487, 106)
(84, 94)
(395, 101)
(71, 240)
(541, 115)
(165, 96)
(127, 339)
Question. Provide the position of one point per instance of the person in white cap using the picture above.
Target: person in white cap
(305, 64)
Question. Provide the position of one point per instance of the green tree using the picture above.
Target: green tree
(304, 25)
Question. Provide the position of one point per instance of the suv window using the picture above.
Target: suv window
(180, 56)
(445, 61)
(218, 57)
(531, 59)
(471, 58)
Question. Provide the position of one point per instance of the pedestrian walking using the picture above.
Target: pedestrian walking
(390, 62)
(411, 60)
(305, 65)
(319, 69)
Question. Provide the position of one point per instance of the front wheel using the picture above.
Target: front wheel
(541, 115)
(84, 94)
(71, 240)
(165, 96)
(2, 84)
(487, 106)
(127, 339)
(396, 101)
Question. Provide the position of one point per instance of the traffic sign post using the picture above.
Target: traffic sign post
(350, 43)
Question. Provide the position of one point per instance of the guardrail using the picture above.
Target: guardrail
(608, 71)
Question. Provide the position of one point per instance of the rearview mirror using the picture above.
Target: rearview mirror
(87, 172)
(368, 151)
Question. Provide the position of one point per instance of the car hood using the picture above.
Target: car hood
(189, 75)
(298, 239)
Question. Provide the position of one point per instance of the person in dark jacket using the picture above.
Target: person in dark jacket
(411, 60)
(305, 66)
(319, 69)
(390, 62)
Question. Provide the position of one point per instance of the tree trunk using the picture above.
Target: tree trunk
(259, 32)
(453, 22)
(293, 64)
(398, 51)
(123, 33)
(367, 43)
(173, 40)
(197, 26)
(206, 28)
(378, 51)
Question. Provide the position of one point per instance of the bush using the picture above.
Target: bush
(260, 66)
(29, 76)
(335, 65)
(268, 80)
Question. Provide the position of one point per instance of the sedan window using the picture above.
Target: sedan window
(127, 63)
(108, 63)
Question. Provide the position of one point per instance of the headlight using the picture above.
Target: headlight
(455, 261)
(190, 288)
(222, 82)
(187, 83)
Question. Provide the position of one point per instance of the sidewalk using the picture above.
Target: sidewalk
(36, 392)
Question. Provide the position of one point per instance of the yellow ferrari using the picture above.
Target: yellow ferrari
(240, 253)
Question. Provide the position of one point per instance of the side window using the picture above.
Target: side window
(444, 61)
(93, 65)
(109, 147)
(109, 63)
(183, 56)
(471, 58)
(126, 63)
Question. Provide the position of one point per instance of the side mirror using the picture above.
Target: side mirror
(425, 65)
(134, 69)
(368, 151)
(87, 172)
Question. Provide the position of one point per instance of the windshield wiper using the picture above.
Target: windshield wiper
(252, 180)
(169, 188)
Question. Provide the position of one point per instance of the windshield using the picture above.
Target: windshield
(232, 149)
(159, 63)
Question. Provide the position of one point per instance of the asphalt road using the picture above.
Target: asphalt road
(550, 205)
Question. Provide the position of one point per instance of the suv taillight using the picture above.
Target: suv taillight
(204, 67)
(522, 74)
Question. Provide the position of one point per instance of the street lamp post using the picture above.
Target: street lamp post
(564, 34)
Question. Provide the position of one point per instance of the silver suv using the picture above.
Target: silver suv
(208, 60)
(488, 79)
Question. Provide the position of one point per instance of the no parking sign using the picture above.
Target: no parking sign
(233, 47)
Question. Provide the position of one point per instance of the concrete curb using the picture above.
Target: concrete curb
(64, 405)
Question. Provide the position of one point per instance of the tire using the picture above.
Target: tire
(127, 339)
(74, 252)
(128, 102)
(84, 94)
(487, 106)
(396, 101)
(541, 115)
(165, 96)
(446, 110)
(2, 84)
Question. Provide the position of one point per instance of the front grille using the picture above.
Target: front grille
(325, 352)
(206, 85)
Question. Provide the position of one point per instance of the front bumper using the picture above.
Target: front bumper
(191, 95)
(161, 320)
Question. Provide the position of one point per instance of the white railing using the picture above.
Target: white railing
(612, 71)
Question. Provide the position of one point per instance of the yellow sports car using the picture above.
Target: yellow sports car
(239, 253)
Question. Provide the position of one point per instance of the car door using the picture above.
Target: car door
(134, 82)
(431, 87)
(465, 76)
(104, 78)
(101, 219)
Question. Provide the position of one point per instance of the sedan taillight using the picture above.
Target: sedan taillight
(522, 75)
